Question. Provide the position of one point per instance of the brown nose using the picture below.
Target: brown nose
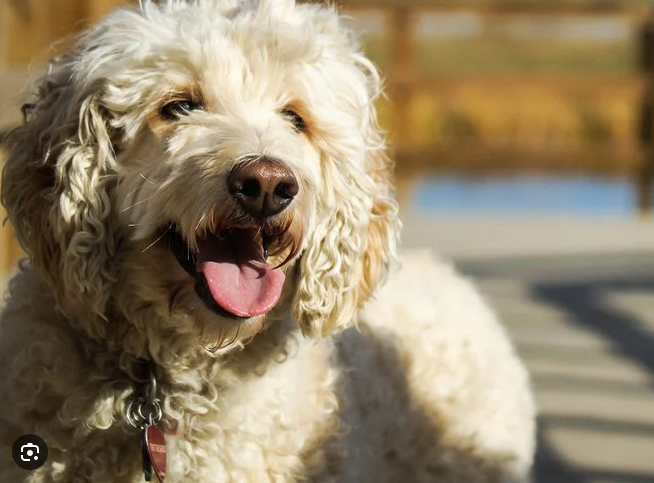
(263, 187)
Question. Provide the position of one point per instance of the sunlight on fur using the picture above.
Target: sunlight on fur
(203, 191)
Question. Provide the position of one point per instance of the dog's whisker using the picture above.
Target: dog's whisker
(153, 222)
(131, 193)
(156, 241)
(130, 196)
(146, 179)
(140, 202)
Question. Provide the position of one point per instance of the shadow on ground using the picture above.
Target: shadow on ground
(627, 336)
(582, 298)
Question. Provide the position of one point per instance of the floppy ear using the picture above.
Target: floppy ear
(349, 254)
(56, 187)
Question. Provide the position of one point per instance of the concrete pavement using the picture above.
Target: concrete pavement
(577, 296)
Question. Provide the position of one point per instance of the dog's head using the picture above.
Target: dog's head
(208, 162)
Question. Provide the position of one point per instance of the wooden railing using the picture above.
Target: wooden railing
(403, 78)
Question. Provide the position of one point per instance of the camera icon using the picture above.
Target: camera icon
(29, 454)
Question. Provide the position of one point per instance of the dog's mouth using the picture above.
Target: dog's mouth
(231, 269)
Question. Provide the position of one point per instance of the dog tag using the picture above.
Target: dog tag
(145, 454)
(154, 453)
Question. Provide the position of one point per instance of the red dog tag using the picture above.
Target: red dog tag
(156, 445)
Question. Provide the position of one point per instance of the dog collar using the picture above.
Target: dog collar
(143, 412)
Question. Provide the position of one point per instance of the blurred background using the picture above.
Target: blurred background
(523, 135)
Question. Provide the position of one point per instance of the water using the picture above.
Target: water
(525, 195)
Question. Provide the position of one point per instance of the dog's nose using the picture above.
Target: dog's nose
(263, 188)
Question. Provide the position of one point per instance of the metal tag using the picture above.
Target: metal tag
(155, 444)
(145, 413)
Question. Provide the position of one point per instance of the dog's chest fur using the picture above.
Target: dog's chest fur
(237, 420)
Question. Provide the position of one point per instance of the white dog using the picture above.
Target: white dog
(202, 190)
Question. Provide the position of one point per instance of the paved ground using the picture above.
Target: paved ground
(578, 299)
(585, 327)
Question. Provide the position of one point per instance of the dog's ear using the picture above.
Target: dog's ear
(56, 187)
(348, 255)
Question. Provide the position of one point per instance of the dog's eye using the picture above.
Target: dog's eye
(176, 109)
(298, 123)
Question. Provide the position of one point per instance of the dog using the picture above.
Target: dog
(205, 198)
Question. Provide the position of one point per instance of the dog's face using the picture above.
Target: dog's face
(211, 163)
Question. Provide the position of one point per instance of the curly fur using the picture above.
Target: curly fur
(426, 389)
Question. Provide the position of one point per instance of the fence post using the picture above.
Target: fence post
(645, 175)
(402, 74)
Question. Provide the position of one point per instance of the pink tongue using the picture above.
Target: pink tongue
(238, 277)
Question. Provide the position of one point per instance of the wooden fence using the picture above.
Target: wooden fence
(404, 79)
(634, 159)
